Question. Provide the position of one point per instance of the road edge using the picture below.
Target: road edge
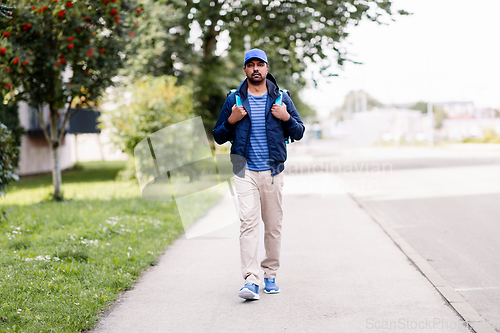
(475, 322)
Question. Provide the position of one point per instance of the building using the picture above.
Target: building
(83, 141)
(457, 110)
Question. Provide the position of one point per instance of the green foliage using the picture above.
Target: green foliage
(155, 103)
(420, 106)
(62, 54)
(9, 116)
(45, 38)
(161, 44)
(439, 114)
(211, 92)
(293, 33)
(8, 153)
(353, 102)
(489, 136)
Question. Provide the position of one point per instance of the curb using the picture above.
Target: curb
(475, 322)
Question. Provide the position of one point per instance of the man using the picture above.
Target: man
(257, 131)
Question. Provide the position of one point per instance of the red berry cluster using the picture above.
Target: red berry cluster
(3, 51)
(61, 60)
(61, 14)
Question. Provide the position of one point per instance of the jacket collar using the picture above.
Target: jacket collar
(272, 88)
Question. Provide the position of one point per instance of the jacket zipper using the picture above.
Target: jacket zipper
(249, 130)
(267, 139)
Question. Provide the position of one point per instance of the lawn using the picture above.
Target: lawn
(63, 263)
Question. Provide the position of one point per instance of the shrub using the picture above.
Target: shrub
(8, 154)
(154, 103)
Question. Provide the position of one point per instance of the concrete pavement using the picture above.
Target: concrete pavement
(340, 272)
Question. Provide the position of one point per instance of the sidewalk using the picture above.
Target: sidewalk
(340, 272)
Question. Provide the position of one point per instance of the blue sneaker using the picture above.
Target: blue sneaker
(249, 291)
(271, 287)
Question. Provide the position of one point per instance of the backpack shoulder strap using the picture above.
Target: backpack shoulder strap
(238, 99)
(279, 101)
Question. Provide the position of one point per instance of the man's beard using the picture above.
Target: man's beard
(255, 80)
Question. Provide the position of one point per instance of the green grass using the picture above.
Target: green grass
(63, 263)
(489, 136)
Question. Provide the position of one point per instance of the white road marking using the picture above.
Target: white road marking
(477, 288)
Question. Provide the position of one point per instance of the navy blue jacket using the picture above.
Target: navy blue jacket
(239, 133)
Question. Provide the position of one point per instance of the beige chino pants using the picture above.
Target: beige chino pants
(259, 196)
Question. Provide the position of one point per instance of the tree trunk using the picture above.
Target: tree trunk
(56, 175)
(55, 140)
(100, 146)
(76, 147)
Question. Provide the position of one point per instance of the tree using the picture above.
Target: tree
(439, 117)
(8, 152)
(154, 103)
(356, 101)
(294, 34)
(186, 41)
(438, 112)
(420, 106)
(63, 54)
(161, 46)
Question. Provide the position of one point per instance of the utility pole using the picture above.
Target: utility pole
(430, 116)
(364, 102)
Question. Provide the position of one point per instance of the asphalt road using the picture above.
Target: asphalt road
(444, 202)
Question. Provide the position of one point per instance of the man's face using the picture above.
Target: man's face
(256, 70)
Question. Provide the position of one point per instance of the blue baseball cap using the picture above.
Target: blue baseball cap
(256, 53)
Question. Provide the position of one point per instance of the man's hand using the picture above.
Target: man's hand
(280, 112)
(237, 113)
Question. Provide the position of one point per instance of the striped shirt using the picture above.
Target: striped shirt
(258, 150)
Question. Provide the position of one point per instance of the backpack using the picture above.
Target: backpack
(278, 101)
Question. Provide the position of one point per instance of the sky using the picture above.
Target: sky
(448, 50)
